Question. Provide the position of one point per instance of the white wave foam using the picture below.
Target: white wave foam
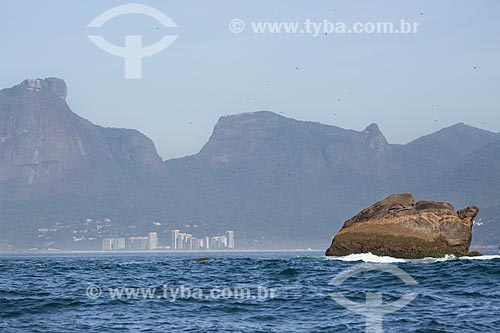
(367, 257)
(446, 258)
(372, 258)
(486, 257)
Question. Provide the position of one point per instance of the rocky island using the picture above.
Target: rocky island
(399, 227)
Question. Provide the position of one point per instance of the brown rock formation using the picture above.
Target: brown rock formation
(398, 227)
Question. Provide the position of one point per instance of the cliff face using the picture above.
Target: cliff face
(315, 148)
(398, 227)
(43, 143)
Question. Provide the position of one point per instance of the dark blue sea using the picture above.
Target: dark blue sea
(246, 292)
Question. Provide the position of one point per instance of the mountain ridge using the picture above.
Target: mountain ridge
(278, 182)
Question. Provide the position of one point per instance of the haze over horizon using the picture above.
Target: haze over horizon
(410, 85)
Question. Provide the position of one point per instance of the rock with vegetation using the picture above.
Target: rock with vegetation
(474, 254)
(399, 227)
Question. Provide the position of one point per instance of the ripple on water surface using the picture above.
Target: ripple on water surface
(47, 293)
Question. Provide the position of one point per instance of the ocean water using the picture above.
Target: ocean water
(244, 292)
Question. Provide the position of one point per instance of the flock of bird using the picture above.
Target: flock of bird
(349, 92)
(297, 68)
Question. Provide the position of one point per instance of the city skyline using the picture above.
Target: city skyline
(179, 241)
(102, 235)
(186, 241)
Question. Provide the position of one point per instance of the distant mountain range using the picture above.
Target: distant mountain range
(278, 182)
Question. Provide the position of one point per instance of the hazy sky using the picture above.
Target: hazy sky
(396, 81)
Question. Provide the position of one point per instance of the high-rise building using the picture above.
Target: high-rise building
(181, 241)
(137, 243)
(113, 244)
(230, 239)
(197, 243)
(175, 236)
(218, 242)
(119, 243)
(187, 241)
(107, 244)
(207, 243)
(152, 241)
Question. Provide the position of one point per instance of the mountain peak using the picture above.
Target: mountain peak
(56, 85)
(249, 123)
(460, 138)
(459, 126)
(43, 142)
(464, 127)
(373, 128)
(376, 140)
